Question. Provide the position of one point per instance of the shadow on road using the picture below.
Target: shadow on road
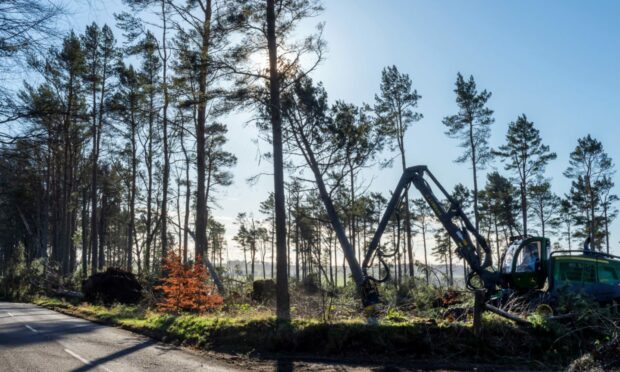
(119, 354)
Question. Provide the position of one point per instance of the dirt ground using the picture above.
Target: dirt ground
(301, 363)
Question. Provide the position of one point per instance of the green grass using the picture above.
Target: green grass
(244, 331)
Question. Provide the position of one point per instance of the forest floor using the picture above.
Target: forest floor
(249, 337)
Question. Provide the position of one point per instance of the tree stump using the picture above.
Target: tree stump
(478, 309)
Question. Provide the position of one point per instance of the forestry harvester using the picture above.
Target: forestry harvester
(528, 264)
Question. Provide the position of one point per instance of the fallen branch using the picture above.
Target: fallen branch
(561, 316)
(506, 314)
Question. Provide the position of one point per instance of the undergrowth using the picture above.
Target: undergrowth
(257, 332)
(413, 324)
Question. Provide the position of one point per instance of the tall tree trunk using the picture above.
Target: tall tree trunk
(252, 258)
(524, 207)
(94, 221)
(283, 310)
(149, 190)
(201, 202)
(209, 171)
(407, 210)
(245, 260)
(475, 172)
(84, 232)
(133, 187)
(594, 242)
(273, 243)
(450, 261)
(297, 248)
(187, 198)
(605, 207)
(288, 239)
(102, 231)
(45, 209)
(347, 248)
(497, 242)
(428, 281)
(166, 170)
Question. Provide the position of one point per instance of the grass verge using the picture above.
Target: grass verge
(260, 334)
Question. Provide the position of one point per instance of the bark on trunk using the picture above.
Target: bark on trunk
(283, 311)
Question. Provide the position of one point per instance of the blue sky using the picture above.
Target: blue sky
(555, 61)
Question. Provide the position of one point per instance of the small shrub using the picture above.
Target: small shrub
(185, 288)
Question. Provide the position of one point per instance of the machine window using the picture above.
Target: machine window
(577, 272)
(589, 274)
(607, 275)
(528, 258)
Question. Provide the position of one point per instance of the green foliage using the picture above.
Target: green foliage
(395, 316)
(525, 156)
(590, 169)
(395, 106)
(473, 117)
(545, 207)
(17, 279)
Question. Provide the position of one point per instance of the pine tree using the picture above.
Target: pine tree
(525, 156)
(63, 75)
(268, 26)
(127, 105)
(589, 167)
(395, 111)
(500, 205)
(545, 206)
(472, 127)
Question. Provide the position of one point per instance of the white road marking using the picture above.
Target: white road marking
(10, 314)
(83, 360)
(30, 328)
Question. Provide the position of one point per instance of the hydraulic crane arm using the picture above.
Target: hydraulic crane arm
(454, 220)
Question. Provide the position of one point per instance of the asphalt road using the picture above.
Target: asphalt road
(37, 339)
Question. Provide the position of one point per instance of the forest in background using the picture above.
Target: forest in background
(117, 156)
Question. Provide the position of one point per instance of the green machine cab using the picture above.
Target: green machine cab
(528, 264)
(525, 264)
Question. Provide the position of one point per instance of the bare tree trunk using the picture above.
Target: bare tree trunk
(166, 170)
(288, 239)
(133, 190)
(524, 206)
(347, 248)
(425, 254)
(605, 207)
(84, 232)
(450, 261)
(93, 194)
(283, 310)
(497, 242)
(407, 210)
(187, 199)
(102, 231)
(475, 171)
(201, 204)
(273, 241)
(149, 190)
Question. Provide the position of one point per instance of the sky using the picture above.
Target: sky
(555, 61)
